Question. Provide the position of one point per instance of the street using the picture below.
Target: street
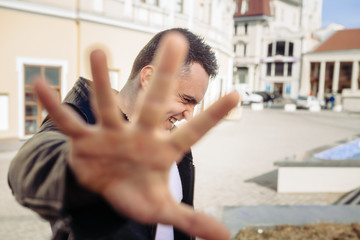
(234, 164)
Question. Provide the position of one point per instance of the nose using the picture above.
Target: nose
(188, 112)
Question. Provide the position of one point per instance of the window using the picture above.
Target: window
(346, 70)
(270, 50)
(244, 50)
(246, 28)
(244, 6)
(345, 76)
(179, 6)
(268, 69)
(242, 74)
(234, 48)
(279, 69)
(235, 29)
(289, 69)
(242, 77)
(291, 49)
(358, 76)
(34, 113)
(280, 48)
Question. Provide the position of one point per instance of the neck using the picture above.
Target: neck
(126, 99)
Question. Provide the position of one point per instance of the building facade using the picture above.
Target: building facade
(54, 39)
(270, 38)
(333, 69)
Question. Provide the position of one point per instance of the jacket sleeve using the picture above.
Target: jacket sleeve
(41, 180)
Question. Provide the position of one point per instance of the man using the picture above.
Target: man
(106, 178)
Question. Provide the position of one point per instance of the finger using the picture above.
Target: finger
(198, 224)
(185, 136)
(168, 61)
(107, 111)
(63, 116)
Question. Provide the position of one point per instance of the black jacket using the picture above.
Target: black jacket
(41, 180)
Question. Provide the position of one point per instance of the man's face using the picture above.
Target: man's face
(190, 91)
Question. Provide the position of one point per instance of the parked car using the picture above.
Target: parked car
(309, 101)
(267, 97)
(248, 97)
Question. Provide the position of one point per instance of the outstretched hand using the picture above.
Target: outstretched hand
(128, 163)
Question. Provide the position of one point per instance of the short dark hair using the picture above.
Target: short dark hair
(199, 52)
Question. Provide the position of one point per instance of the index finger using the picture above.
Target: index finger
(107, 110)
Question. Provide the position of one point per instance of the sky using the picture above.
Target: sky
(344, 12)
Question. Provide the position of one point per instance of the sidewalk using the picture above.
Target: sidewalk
(234, 167)
(10, 144)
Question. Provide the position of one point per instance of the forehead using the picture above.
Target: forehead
(194, 81)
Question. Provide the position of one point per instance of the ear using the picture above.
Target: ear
(145, 76)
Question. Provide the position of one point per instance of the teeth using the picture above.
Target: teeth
(172, 120)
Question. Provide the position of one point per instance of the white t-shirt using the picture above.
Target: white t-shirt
(166, 232)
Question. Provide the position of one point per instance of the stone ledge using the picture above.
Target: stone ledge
(237, 218)
(317, 179)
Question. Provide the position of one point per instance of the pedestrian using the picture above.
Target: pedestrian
(332, 101)
(104, 166)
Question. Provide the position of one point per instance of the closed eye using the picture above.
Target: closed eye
(189, 99)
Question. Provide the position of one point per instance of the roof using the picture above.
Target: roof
(347, 39)
(255, 8)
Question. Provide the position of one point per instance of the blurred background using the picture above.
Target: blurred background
(294, 62)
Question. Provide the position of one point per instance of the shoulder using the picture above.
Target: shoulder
(79, 99)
